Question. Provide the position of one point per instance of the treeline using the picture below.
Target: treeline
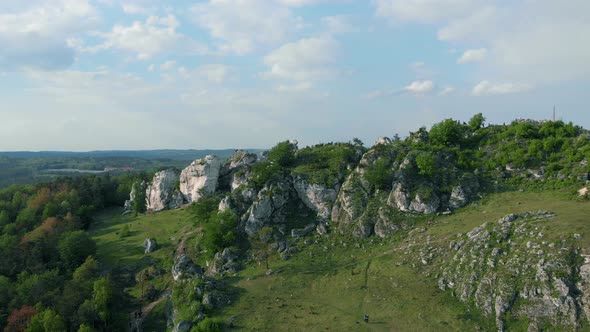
(49, 279)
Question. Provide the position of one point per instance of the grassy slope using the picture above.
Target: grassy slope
(330, 290)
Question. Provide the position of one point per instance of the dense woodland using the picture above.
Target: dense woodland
(50, 280)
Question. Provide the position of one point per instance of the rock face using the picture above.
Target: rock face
(239, 160)
(399, 197)
(149, 245)
(224, 262)
(200, 178)
(509, 264)
(184, 267)
(316, 197)
(303, 231)
(224, 204)
(267, 207)
(427, 205)
(128, 206)
(161, 193)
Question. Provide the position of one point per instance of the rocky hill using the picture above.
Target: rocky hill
(347, 189)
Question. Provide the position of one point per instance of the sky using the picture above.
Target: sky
(82, 75)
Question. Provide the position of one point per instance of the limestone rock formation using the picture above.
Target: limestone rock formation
(316, 196)
(224, 262)
(427, 205)
(128, 206)
(399, 197)
(184, 267)
(510, 264)
(267, 207)
(200, 178)
(161, 193)
(149, 245)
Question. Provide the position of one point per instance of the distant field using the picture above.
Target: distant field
(329, 286)
(32, 167)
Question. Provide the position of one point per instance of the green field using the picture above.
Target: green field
(330, 284)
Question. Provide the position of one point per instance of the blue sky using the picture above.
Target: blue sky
(142, 74)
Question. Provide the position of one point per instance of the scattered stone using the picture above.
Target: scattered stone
(149, 245)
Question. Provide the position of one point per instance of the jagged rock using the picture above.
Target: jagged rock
(382, 140)
(482, 271)
(317, 197)
(239, 160)
(224, 204)
(149, 245)
(351, 200)
(200, 178)
(184, 266)
(384, 226)
(182, 326)
(322, 228)
(399, 197)
(224, 262)
(215, 300)
(162, 193)
(239, 178)
(584, 286)
(267, 206)
(302, 231)
(425, 205)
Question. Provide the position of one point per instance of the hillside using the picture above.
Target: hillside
(465, 226)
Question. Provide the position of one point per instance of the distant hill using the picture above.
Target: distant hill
(146, 154)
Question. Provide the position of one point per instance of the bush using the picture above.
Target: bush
(219, 232)
(75, 246)
(208, 325)
(379, 174)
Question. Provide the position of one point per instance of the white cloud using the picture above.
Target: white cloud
(241, 26)
(168, 65)
(216, 73)
(43, 35)
(486, 88)
(134, 9)
(157, 35)
(307, 59)
(337, 24)
(152, 67)
(423, 11)
(447, 90)
(297, 87)
(473, 55)
(419, 87)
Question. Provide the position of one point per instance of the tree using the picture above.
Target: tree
(282, 154)
(102, 296)
(139, 194)
(88, 271)
(75, 246)
(85, 328)
(357, 142)
(260, 245)
(46, 321)
(379, 174)
(448, 132)
(219, 232)
(426, 163)
(476, 122)
(19, 319)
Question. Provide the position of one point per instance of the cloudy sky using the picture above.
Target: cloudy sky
(145, 74)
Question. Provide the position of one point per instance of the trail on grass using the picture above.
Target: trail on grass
(138, 322)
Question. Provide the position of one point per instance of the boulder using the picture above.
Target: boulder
(224, 262)
(149, 245)
(184, 267)
(427, 205)
(162, 193)
(239, 178)
(399, 197)
(200, 178)
(352, 200)
(317, 197)
(583, 192)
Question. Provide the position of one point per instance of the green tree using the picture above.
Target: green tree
(448, 132)
(139, 205)
(88, 271)
(283, 154)
(85, 328)
(102, 296)
(219, 232)
(476, 122)
(74, 247)
(46, 321)
(426, 163)
(379, 174)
